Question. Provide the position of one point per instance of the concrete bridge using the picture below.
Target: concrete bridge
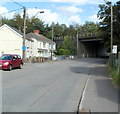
(88, 45)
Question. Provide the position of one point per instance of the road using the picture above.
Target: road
(49, 87)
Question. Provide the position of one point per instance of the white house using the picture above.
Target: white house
(43, 47)
(11, 41)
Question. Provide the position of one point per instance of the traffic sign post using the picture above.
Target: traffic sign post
(114, 49)
(23, 47)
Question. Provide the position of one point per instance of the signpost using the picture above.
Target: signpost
(23, 47)
(114, 49)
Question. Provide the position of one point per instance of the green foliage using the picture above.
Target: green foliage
(115, 76)
(104, 15)
(113, 67)
(64, 52)
(68, 47)
(89, 28)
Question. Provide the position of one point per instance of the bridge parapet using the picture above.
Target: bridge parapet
(80, 36)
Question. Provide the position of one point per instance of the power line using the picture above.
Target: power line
(14, 10)
(17, 3)
(11, 11)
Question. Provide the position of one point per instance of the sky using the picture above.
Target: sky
(57, 11)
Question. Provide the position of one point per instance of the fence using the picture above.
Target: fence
(114, 67)
(35, 59)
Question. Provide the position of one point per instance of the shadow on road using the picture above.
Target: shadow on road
(92, 60)
(83, 70)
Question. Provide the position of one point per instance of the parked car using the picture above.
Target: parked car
(10, 61)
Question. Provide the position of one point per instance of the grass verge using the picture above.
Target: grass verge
(115, 76)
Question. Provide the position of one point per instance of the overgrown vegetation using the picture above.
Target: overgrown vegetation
(114, 69)
(114, 74)
(104, 15)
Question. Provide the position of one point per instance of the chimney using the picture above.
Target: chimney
(36, 31)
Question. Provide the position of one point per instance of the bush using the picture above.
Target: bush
(64, 52)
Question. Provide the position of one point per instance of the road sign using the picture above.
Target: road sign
(114, 49)
(23, 47)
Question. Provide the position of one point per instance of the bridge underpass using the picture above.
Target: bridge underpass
(91, 47)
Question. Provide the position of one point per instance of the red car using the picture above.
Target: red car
(10, 61)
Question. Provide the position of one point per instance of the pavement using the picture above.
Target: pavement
(101, 95)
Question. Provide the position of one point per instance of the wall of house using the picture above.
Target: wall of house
(29, 48)
(35, 47)
(10, 43)
(45, 48)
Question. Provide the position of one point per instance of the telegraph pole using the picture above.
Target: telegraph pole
(77, 43)
(52, 31)
(24, 32)
(111, 7)
(111, 28)
(52, 38)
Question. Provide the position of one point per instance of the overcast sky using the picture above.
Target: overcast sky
(61, 11)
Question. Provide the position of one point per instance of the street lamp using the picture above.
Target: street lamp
(24, 32)
(37, 13)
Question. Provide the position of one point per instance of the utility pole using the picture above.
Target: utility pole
(24, 32)
(52, 38)
(111, 7)
(52, 31)
(77, 43)
(111, 28)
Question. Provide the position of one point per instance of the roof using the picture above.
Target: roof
(18, 32)
(39, 37)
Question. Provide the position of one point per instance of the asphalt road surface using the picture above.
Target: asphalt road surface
(52, 87)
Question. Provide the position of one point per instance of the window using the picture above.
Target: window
(6, 57)
(50, 45)
(19, 57)
(15, 57)
(44, 44)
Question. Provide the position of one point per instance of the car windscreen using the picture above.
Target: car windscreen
(6, 57)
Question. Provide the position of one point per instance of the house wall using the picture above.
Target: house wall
(29, 48)
(10, 42)
(45, 48)
(35, 47)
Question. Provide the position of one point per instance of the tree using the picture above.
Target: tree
(104, 15)
(68, 47)
(89, 28)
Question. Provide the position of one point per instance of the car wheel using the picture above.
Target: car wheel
(10, 67)
(21, 66)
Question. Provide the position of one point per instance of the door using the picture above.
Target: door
(14, 61)
(19, 60)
